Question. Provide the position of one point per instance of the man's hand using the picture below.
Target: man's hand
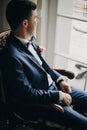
(65, 87)
(66, 98)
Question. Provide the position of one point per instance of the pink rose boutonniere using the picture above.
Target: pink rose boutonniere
(42, 49)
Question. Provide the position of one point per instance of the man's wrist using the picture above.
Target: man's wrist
(60, 79)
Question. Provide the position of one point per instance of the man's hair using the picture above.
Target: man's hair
(18, 10)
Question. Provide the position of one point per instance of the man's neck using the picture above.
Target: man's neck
(21, 33)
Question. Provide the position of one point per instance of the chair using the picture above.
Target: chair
(9, 119)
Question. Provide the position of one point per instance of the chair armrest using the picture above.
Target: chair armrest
(57, 106)
(53, 106)
(64, 72)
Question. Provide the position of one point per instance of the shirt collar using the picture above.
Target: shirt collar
(24, 41)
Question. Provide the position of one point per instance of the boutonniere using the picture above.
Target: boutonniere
(42, 49)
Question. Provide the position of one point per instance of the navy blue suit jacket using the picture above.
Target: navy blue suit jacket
(24, 78)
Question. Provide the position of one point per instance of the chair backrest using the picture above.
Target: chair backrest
(3, 37)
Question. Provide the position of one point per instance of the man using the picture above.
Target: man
(26, 79)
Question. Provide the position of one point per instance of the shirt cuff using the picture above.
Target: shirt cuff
(60, 96)
(60, 79)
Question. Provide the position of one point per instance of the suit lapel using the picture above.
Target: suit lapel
(30, 56)
(22, 48)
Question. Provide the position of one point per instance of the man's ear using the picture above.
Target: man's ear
(25, 23)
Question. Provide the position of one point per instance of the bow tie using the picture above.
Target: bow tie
(27, 45)
(30, 41)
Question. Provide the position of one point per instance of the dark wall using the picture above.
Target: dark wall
(3, 23)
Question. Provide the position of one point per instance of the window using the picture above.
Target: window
(71, 38)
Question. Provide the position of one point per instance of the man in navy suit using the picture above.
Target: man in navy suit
(26, 78)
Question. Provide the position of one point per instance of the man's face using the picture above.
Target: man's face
(32, 23)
